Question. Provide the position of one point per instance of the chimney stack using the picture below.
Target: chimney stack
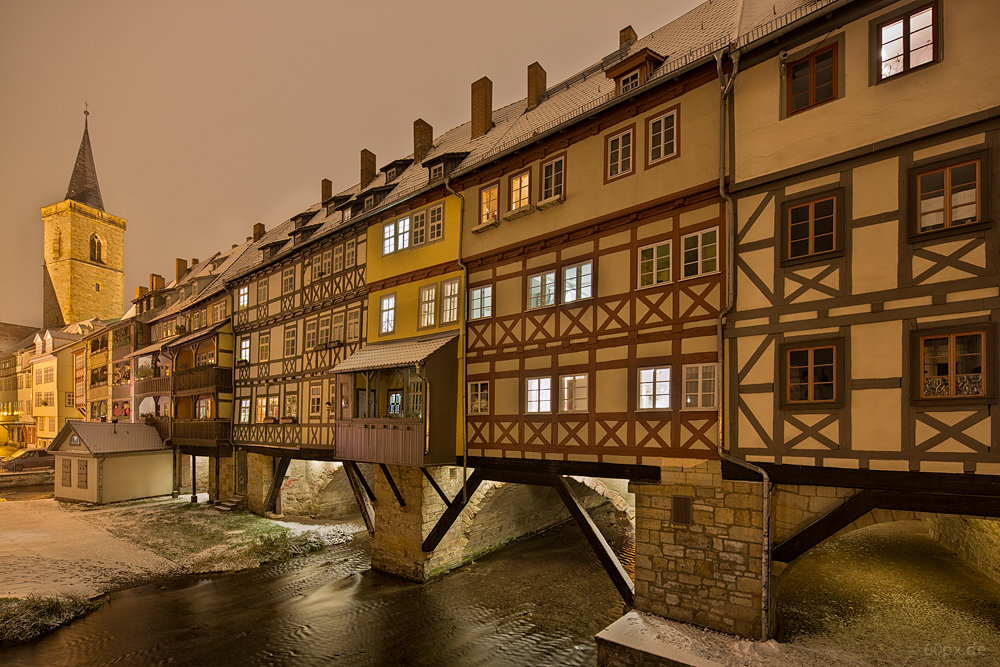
(194, 263)
(326, 189)
(626, 36)
(482, 107)
(368, 170)
(536, 84)
(155, 282)
(258, 232)
(423, 140)
(140, 290)
(182, 266)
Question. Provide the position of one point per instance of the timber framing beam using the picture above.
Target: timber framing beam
(434, 484)
(392, 484)
(276, 482)
(362, 494)
(455, 508)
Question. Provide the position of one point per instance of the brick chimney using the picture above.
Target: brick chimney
(140, 290)
(626, 36)
(155, 281)
(482, 107)
(194, 262)
(326, 189)
(423, 140)
(368, 170)
(258, 232)
(182, 266)
(536, 84)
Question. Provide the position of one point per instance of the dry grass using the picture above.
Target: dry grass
(27, 618)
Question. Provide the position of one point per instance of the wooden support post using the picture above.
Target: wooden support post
(843, 515)
(194, 479)
(392, 485)
(600, 546)
(435, 485)
(176, 491)
(276, 482)
(455, 508)
(363, 494)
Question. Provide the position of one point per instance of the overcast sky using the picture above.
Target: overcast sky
(208, 117)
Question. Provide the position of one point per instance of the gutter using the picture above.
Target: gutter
(725, 89)
(465, 311)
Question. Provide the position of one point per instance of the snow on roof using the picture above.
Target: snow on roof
(110, 438)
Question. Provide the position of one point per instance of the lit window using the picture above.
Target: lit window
(480, 302)
(811, 374)
(261, 408)
(952, 365)
(242, 297)
(620, 154)
(245, 348)
(203, 408)
(654, 388)
(699, 387)
(436, 231)
(577, 282)
(700, 253)
(479, 398)
(290, 335)
(542, 290)
(244, 411)
(449, 301)
(539, 395)
(654, 264)
(489, 203)
(419, 232)
(573, 393)
(288, 280)
(520, 191)
(630, 82)
(552, 178)
(395, 403)
(291, 405)
(949, 196)
(661, 137)
(906, 42)
(402, 234)
(428, 305)
(389, 238)
(387, 314)
(264, 347)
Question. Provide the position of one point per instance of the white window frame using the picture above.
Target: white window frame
(403, 233)
(449, 301)
(337, 332)
(582, 278)
(629, 82)
(354, 325)
(323, 335)
(243, 297)
(427, 307)
(245, 348)
(350, 254)
(574, 392)
(550, 188)
(311, 335)
(387, 314)
(479, 397)
(435, 225)
(546, 290)
(264, 347)
(288, 280)
(701, 260)
(418, 233)
(653, 273)
(290, 342)
(672, 115)
(538, 395)
(262, 291)
(481, 302)
(656, 387)
(388, 238)
(616, 160)
(437, 171)
(315, 400)
(243, 411)
(338, 259)
(700, 399)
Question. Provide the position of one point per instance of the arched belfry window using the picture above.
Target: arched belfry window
(95, 249)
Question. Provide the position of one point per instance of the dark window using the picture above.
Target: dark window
(812, 227)
(949, 196)
(951, 365)
(682, 510)
(95, 249)
(811, 374)
(813, 79)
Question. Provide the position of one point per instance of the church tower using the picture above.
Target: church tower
(84, 250)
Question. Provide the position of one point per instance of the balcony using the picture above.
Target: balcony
(395, 441)
(201, 429)
(149, 386)
(208, 379)
(119, 352)
(121, 392)
(161, 424)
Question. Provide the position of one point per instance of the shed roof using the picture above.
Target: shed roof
(395, 354)
(110, 438)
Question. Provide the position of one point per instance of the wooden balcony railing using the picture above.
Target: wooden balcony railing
(212, 378)
(120, 352)
(121, 391)
(148, 386)
(161, 424)
(201, 429)
(396, 441)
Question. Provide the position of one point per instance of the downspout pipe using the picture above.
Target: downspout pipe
(725, 90)
(465, 311)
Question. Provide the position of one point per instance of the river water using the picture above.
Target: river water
(538, 602)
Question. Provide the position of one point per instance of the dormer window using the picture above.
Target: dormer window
(629, 82)
(634, 71)
(437, 171)
(391, 174)
(369, 202)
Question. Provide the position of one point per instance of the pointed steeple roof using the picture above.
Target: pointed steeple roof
(83, 185)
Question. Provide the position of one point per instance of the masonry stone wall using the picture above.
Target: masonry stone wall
(226, 474)
(260, 472)
(976, 541)
(318, 489)
(203, 472)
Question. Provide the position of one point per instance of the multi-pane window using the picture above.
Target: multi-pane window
(620, 154)
(435, 231)
(38, 376)
(244, 354)
(577, 282)
(38, 399)
(573, 393)
(700, 253)
(350, 254)
(272, 407)
(449, 301)
(338, 327)
(218, 311)
(539, 395)
(261, 408)
(811, 227)
(264, 347)
(520, 191)
(654, 264)
(49, 374)
(428, 306)
(630, 82)
(203, 408)
(389, 238)
(906, 42)
(402, 233)
(480, 302)
(50, 396)
(395, 403)
(419, 232)
(552, 178)
(353, 325)
(52, 424)
(311, 335)
(69, 399)
(812, 374)
(288, 280)
(324, 330)
(952, 365)
(416, 397)
(654, 388)
(542, 290)
(327, 263)
(369, 202)
(812, 80)
(479, 398)
(291, 405)
(662, 140)
(489, 200)
(338, 258)
(699, 386)
(315, 399)
(290, 335)
(262, 291)
(949, 196)
(244, 411)
(387, 314)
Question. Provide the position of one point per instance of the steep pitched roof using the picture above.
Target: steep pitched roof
(83, 185)
(109, 438)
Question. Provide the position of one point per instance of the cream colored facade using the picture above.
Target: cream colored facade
(52, 383)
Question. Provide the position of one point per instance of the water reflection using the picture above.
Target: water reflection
(535, 603)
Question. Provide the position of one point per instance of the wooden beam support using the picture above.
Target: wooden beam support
(362, 494)
(435, 485)
(353, 466)
(605, 554)
(276, 482)
(845, 514)
(455, 508)
(582, 468)
(392, 485)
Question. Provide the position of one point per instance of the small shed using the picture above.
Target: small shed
(104, 462)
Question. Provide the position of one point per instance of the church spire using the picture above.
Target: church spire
(83, 185)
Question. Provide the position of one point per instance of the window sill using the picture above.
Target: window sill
(484, 226)
(700, 275)
(519, 213)
(550, 202)
(817, 258)
(919, 237)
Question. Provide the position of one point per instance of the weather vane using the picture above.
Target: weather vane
(86, 109)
